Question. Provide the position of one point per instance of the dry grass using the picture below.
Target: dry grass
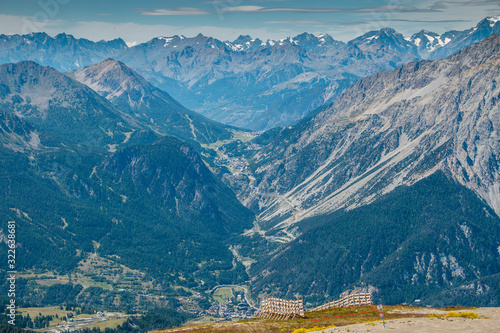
(329, 318)
(454, 308)
(45, 311)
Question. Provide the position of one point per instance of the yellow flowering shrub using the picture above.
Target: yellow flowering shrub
(468, 315)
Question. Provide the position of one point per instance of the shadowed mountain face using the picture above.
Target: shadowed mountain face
(173, 176)
(389, 129)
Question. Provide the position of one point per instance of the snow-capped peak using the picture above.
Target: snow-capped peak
(493, 20)
(167, 40)
(287, 40)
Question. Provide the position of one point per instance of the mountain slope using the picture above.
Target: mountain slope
(156, 208)
(54, 103)
(413, 243)
(80, 176)
(454, 41)
(387, 44)
(389, 129)
(132, 93)
(179, 215)
(173, 175)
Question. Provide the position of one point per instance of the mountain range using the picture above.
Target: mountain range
(389, 129)
(249, 83)
(388, 182)
(327, 182)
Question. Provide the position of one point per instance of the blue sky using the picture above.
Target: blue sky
(139, 21)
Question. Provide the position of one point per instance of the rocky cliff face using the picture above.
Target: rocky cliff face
(389, 129)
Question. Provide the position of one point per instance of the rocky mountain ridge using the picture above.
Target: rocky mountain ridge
(131, 93)
(387, 130)
(249, 82)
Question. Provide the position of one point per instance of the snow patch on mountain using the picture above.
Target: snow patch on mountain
(493, 20)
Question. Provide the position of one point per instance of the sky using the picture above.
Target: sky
(139, 21)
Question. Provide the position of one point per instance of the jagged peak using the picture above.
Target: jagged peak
(113, 61)
(388, 31)
(425, 32)
(26, 64)
(306, 35)
(110, 64)
(119, 41)
(64, 35)
(375, 34)
(242, 39)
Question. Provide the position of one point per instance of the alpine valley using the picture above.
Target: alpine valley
(157, 175)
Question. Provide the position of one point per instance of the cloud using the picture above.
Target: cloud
(139, 33)
(356, 23)
(175, 11)
(396, 8)
(443, 5)
(260, 9)
(430, 21)
(298, 22)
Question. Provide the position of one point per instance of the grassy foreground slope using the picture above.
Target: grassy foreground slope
(337, 318)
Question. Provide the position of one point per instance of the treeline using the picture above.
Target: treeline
(381, 245)
(155, 319)
(6, 328)
(39, 321)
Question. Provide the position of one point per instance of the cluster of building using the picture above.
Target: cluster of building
(230, 311)
(233, 162)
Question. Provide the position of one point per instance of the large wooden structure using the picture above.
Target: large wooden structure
(281, 309)
(349, 300)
